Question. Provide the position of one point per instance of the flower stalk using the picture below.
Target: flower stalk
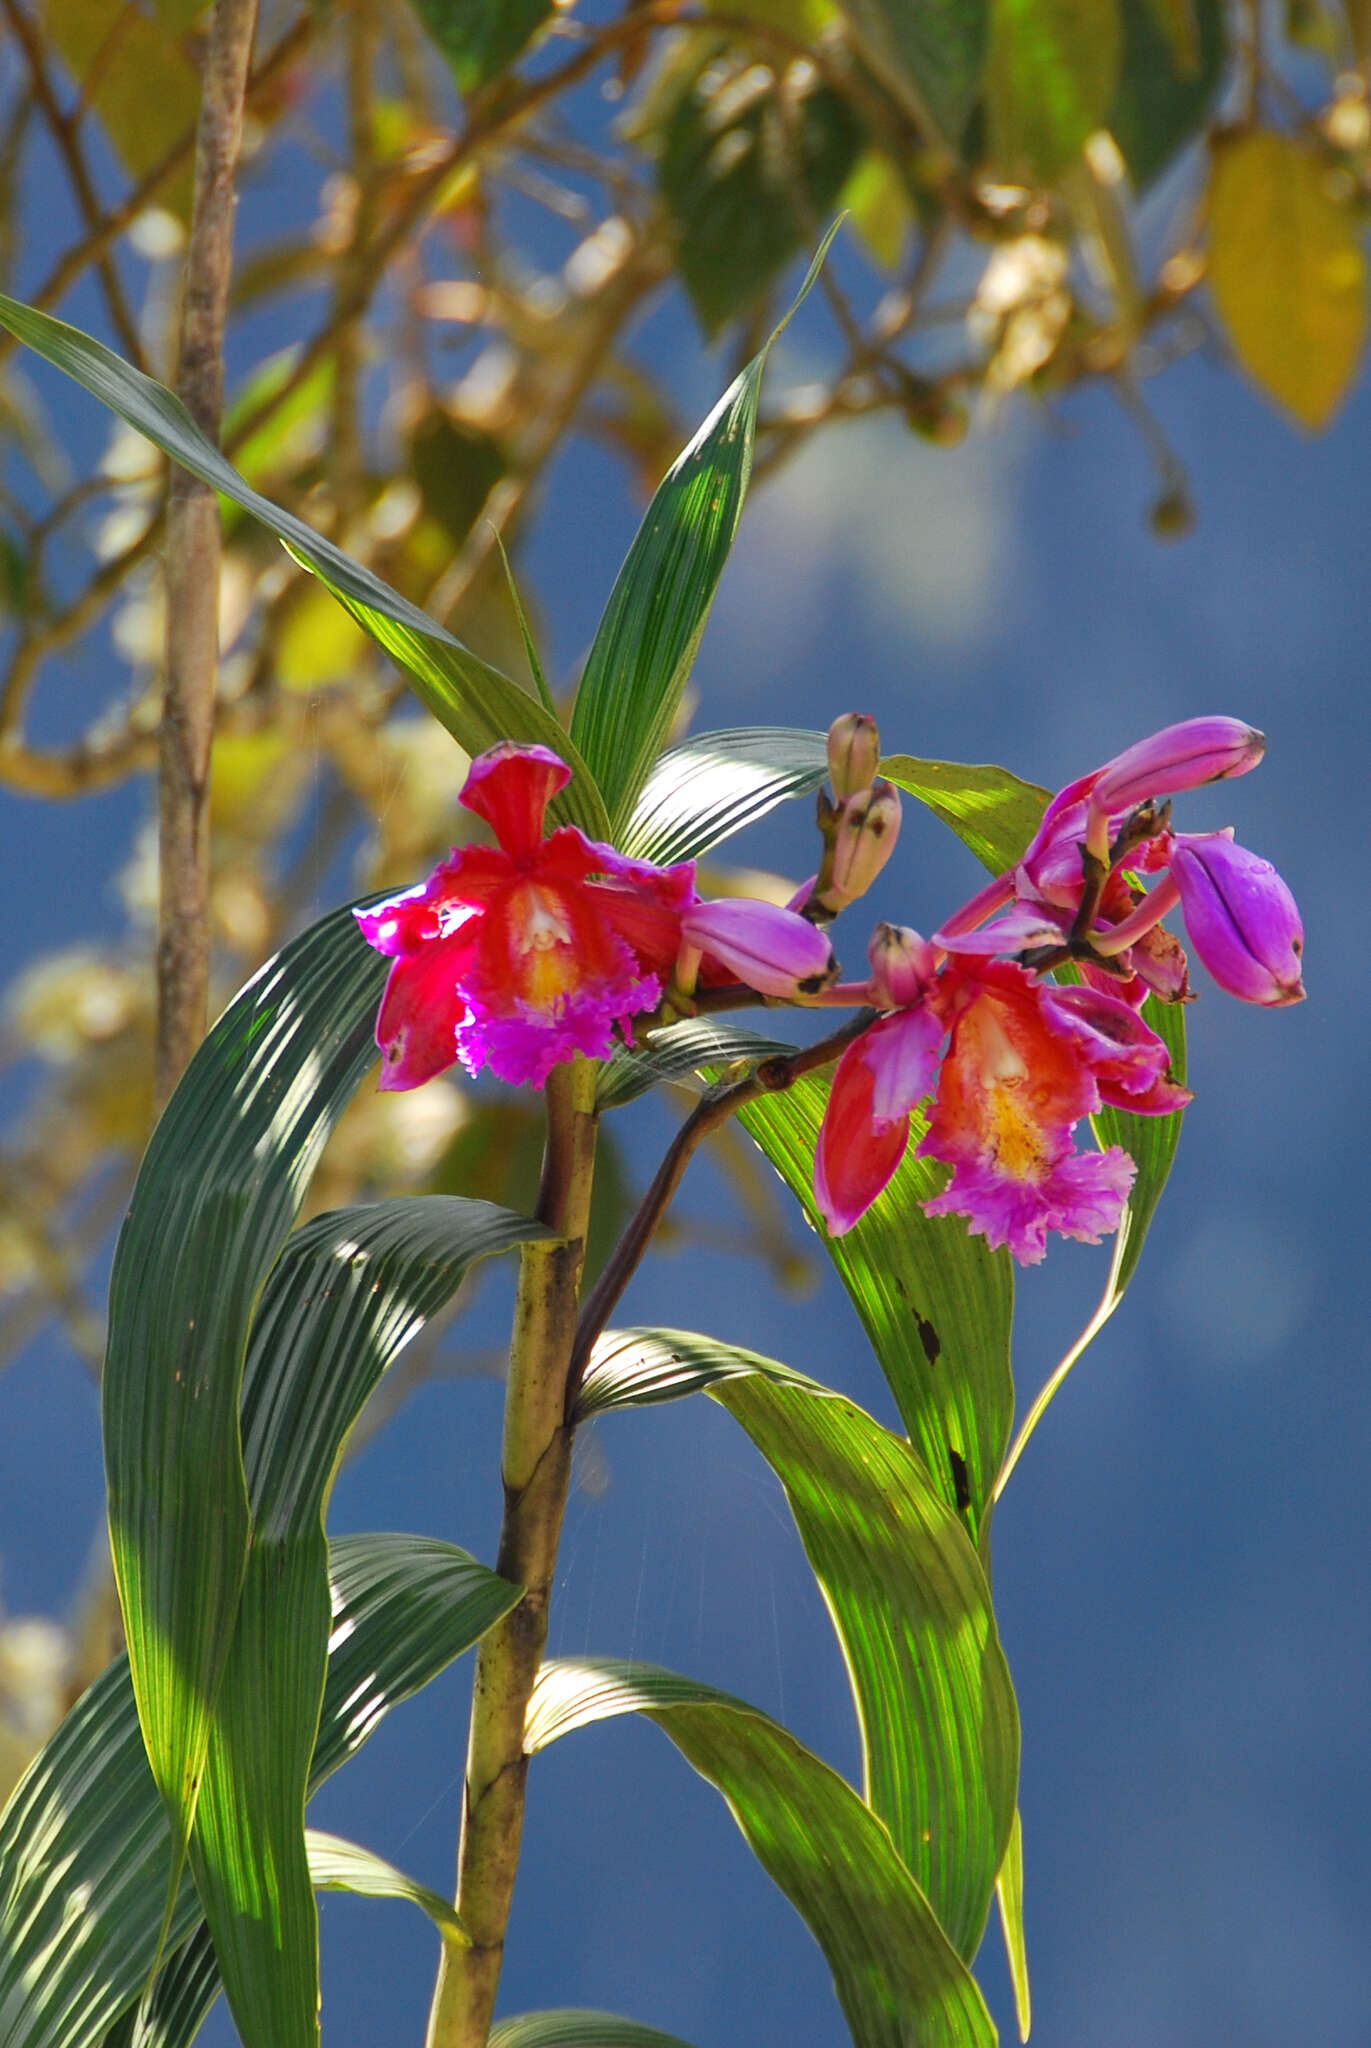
(535, 1467)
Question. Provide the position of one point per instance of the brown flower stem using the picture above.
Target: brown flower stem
(715, 1107)
(192, 560)
(535, 1466)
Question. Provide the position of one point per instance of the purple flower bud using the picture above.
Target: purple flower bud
(1242, 919)
(770, 949)
(903, 966)
(854, 753)
(868, 826)
(1178, 757)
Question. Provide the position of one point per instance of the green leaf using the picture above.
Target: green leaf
(571, 2029)
(1163, 100)
(1009, 1892)
(908, 1597)
(1287, 270)
(929, 54)
(1053, 72)
(477, 704)
(1152, 1141)
(337, 1865)
(910, 1602)
(678, 1050)
(640, 1368)
(703, 791)
(990, 810)
(897, 1976)
(646, 641)
(749, 160)
(937, 1305)
(218, 1188)
(85, 1845)
(349, 1292)
(481, 38)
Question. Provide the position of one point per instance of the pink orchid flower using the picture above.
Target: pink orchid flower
(1072, 895)
(517, 957)
(1025, 1062)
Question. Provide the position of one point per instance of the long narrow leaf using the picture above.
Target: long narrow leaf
(897, 1976)
(349, 1292)
(477, 704)
(226, 1169)
(642, 654)
(908, 1597)
(571, 2029)
(990, 810)
(936, 1304)
(1009, 1893)
(712, 785)
(85, 1845)
(337, 1865)
(678, 1050)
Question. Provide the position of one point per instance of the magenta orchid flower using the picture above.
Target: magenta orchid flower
(1025, 1062)
(1073, 894)
(517, 957)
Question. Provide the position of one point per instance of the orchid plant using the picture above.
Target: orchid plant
(927, 1120)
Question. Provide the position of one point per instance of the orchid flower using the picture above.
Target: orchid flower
(1074, 896)
(516, 957)
(1025, 1062)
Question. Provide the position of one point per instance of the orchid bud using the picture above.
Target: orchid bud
(854, 753)
(1178, 757)
(1242, 919)
(861, 846)
(770, 949)
(903, 966)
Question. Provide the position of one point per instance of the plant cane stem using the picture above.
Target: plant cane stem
(192, 631)
(536, 1462)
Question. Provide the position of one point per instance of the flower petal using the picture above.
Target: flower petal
(1082, 1196)
(422, 1012)
(511, 787)
(769, 949)
(857, 1153)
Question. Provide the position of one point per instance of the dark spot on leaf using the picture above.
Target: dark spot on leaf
(961, 1480)
(929, 1338)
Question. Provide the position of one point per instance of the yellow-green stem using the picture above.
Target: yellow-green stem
(536, 1462)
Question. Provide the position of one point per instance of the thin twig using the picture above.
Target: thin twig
(715, 1107)
(65, 134)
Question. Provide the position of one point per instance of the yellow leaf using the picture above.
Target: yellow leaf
(1287, 271)
(880, 207)
(146, 92)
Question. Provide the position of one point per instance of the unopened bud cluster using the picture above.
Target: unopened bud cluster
(859, 822)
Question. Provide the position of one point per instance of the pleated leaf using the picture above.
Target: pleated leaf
(85, 1844)
(897, 1976)
(337, 1865)
(571, 2029)
(217, 1191)
(644, 649)
(1009, 1893)
(349, 1292)
(678, 1050)
(937, 1305)
(477, 704)
(711, 786)
(640, 1368)
(1152, 1141)
(908, 1597)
